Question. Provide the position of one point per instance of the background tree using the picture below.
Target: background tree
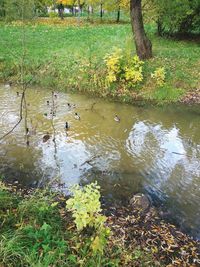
(117, 6)
(19, 9)
(2, 8)
(177, 16)
(143, 44)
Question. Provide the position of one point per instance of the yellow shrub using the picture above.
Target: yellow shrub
(133, 71)
(119, 68)
(113, 65)
(159, 76)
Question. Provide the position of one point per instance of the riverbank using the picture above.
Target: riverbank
(70, 57)
(37, 228)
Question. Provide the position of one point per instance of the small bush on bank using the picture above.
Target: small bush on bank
(86, 207)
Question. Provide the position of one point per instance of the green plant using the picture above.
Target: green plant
(53, 14)
(86, 207)
(37, 208)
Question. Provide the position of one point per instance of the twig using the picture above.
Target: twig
(20, 118)
(90, 160)
(92, 106)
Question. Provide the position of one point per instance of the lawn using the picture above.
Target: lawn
(71, 55)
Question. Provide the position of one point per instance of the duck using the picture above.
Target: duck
(45, 114)
(67, 126)
(116, 118)
(46, 137)
(53, 113)
(77, 117)
(70, 106)
(27, 131)
(31, 132)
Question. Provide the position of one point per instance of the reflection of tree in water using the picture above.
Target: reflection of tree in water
(53, 114)
(173, 170)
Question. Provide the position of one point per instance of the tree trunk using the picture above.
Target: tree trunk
(79, 11)
(118, 15)
(143, 44)
(61, 11)
(88, 13)
(101, 11)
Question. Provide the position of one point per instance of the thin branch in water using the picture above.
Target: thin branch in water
(90, 160)
(20, 118)
(92, 106)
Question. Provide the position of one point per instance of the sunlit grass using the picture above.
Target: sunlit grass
(69, 44)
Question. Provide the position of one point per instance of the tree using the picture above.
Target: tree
(41, 6)
(61, 10)
(19, 9)
(143, 44)
(2, 8)
(174, 16)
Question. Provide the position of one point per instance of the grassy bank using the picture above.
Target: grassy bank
(38, 228)
(67, 56)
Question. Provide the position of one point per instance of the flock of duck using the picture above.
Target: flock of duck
(76, 117)
(47, 136)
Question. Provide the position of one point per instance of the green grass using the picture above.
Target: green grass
(74, 53)
(37, 230)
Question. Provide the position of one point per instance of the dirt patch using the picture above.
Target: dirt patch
(192, 97)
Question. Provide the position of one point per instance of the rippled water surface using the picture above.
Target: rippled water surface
(153, 150)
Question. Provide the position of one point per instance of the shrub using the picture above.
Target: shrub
(119, 68)
(113, 65)
(53, 14)
(159, 76)
(86, 207)
(133, 71)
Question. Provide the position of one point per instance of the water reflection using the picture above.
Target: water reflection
(152, 149)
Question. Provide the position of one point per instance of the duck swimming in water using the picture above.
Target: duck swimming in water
(46, 137)
(77, 117)
(116, 118)
(27, 132)
(67, 126)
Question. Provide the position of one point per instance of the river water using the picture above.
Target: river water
(155, 150)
